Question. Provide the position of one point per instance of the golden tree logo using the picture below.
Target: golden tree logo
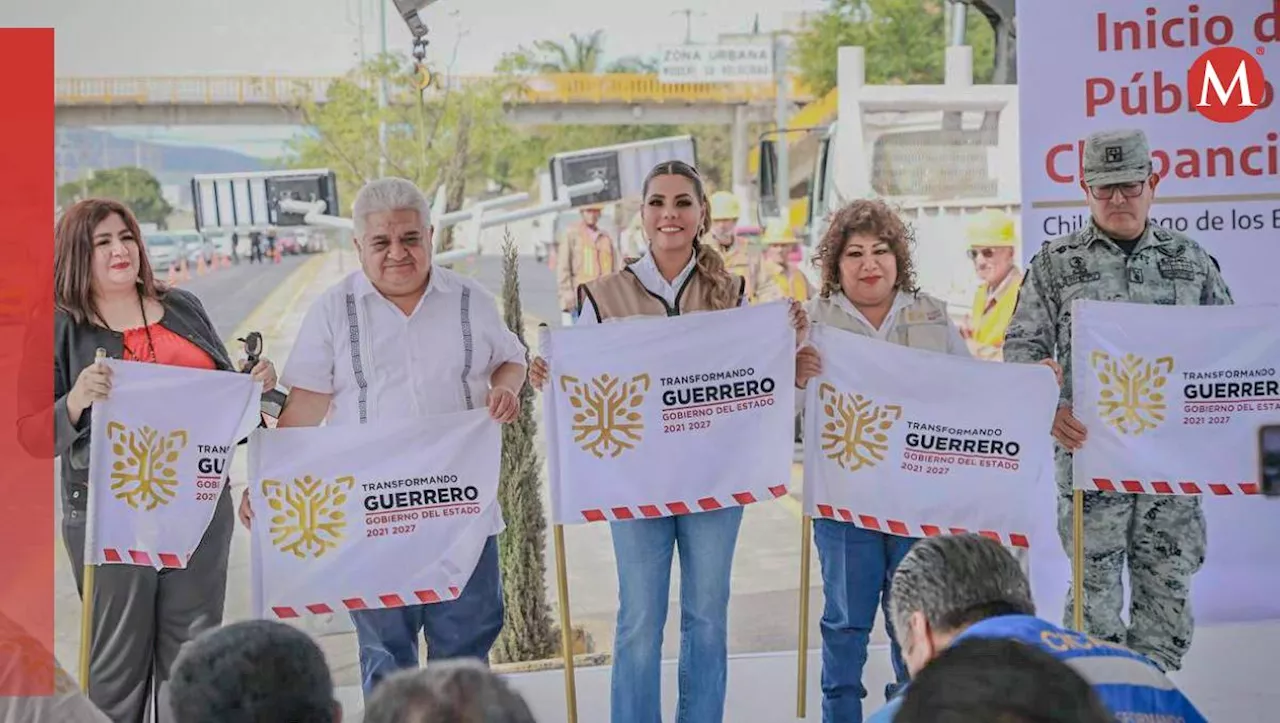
(307, 518)
(855, 434)
(1130, 399)
(144, 472)
(606, 420)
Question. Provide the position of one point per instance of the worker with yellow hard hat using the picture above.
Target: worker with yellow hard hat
(585, 252)
(778, 277)
(992, 237)
(737, 254)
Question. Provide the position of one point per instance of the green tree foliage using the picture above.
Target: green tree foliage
(459, 137)
(581, 54)
(425, 134)
(905, 42)
(527, 631)
(134, 187)
(585, 54)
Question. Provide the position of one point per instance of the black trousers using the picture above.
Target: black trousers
(142, 617)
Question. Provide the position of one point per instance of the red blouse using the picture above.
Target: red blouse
(170, 348)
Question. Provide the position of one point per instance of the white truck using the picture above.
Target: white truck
(939, 153)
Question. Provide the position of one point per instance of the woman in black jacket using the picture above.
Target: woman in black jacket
(106, 296)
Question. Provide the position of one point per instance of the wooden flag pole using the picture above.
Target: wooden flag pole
(86, 627)
(1077, 558)
(566, 628)
(806, 524)
(86, 606)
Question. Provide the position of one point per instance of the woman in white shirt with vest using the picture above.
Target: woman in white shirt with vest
(868, 288)
(679, 274)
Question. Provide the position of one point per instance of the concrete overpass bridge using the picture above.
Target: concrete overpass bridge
(571, 98)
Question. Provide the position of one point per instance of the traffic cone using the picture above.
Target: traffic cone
(173, 276)
(278, 258)
(184, 271)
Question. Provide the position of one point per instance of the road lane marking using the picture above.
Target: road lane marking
(291, 288)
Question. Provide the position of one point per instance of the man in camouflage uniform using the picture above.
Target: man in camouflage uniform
(1120, 255)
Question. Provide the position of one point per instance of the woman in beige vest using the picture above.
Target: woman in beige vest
(868, 288)
(679, 274)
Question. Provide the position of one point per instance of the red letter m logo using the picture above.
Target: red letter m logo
(1226, 85)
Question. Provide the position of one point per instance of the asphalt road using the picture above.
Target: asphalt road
(230, 294)
(538, 294)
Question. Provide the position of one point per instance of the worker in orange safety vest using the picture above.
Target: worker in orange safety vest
(585, 252)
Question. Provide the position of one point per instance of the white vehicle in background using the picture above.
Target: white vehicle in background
(163, 250)
(177, 245)
(221, 244)
(197, 246)
(893, 142)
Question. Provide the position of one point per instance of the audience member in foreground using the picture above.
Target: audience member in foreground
(957, 587)
(450, 691)
(257, 671)
(999, 681)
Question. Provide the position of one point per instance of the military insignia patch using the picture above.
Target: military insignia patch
(1080, 273)
(1176, 267)
(1114, 154)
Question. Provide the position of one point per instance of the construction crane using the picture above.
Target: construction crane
(1000, 13)
(410, 11)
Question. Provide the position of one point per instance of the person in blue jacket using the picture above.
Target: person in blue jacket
(960, 587)
(982, 680)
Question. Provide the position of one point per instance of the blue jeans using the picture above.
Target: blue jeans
(643, 550)
(857, 567)
(463, 628)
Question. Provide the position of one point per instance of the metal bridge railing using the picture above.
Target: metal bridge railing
(275, 90)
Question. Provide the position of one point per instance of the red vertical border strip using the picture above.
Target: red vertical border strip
(26, 364)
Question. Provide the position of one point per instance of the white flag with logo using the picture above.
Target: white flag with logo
(919, 443)
(159, 450)
(1174, 399)
(385, 514)
(650, 417)
(1172, 412)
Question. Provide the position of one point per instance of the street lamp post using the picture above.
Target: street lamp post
(382, 92)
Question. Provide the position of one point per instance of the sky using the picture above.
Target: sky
(323, 37)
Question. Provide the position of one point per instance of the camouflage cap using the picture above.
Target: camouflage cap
(1116, 156)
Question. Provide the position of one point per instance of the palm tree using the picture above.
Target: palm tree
(581, 54)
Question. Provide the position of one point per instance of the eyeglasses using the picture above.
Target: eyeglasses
(985, 253)
(1128, 190)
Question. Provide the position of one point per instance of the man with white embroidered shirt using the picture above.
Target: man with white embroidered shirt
(403, 339)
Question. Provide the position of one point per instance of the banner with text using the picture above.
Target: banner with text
(1170, 413)
(732, 63)
(385, 514)
(159, 451)
(1199, 80)
(650, 417)
(918, 443)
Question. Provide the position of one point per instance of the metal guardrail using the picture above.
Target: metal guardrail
(282, 90)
